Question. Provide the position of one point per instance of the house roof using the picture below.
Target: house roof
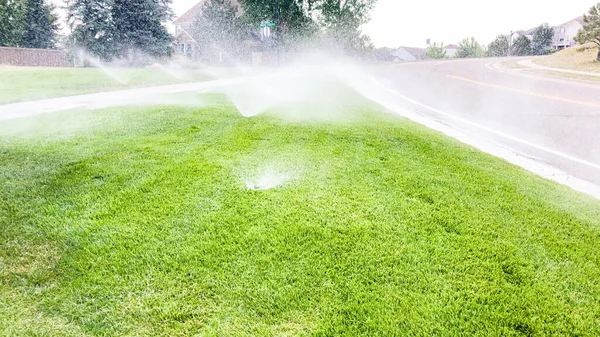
(578, 19)
(418, 53)
(192, 13)
(184, 33)
(525, 32)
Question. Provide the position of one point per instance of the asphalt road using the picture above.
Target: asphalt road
(556, 122)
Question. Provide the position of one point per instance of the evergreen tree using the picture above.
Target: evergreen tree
(498, 47)
(521, 46)
(11, 22)
(436, 51)
(591, 28)
(138, 28)
(91, 24)
(220, 34)
(469, 48)
(543, 36)
(40, 25)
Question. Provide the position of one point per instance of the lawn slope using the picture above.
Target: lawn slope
(27, 83)
(581, 58)
(137, 221)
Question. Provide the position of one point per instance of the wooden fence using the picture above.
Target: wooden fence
(35, 57)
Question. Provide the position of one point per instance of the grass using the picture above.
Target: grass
(581, 58)
(513, 64)
(564, 75)
(136, 222)
(25, 83)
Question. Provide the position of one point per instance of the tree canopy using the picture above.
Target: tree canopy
(221, 34)
(138, 27)
(543, 36)
(340, 21)
(27, 23)
(128, 29)
(91, 25)
(436, 51)
(469, 48)
(591, 28)
(499, 47)
(332, 23)
(521, 46)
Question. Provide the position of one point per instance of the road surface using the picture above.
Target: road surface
(556, 122)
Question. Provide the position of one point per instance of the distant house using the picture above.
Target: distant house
(184, 41)
(409, 54)
(527, 33)
(564, 34)
(451, 50)
(383, 55)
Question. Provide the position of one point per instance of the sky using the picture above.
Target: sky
(409, 23)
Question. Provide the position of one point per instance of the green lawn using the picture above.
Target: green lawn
(137, 222)
(26, 83)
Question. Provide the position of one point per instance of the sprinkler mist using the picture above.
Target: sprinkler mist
(268, 180)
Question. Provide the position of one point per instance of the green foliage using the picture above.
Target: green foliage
(220, 34)
(436, 51)
(543, 36)
(27, 24)
(40, 25)
(333, 24)
(341, 20)
(293, 18)
(131, 29)
(591, 28)
(91, 24)
(499, 47)
(11, 22)
(469, 48)
(521, 46)
(139, 30)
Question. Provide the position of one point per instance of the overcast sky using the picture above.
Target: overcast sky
(410, 22)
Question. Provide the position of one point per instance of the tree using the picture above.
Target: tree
(11, 22)
(330, 23)
(498, 47)
(39, 25)
(341, 20)
(591, 28)
(543, 36)
(138, 28)
(469, 48)
(436, 51)
(292, 16)
(91, 25)
(220, 33)
(521, 46)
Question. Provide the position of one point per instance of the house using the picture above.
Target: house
(564, 34)
(527, 33)
(184, 40)
(451, 50)
(409, 54)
